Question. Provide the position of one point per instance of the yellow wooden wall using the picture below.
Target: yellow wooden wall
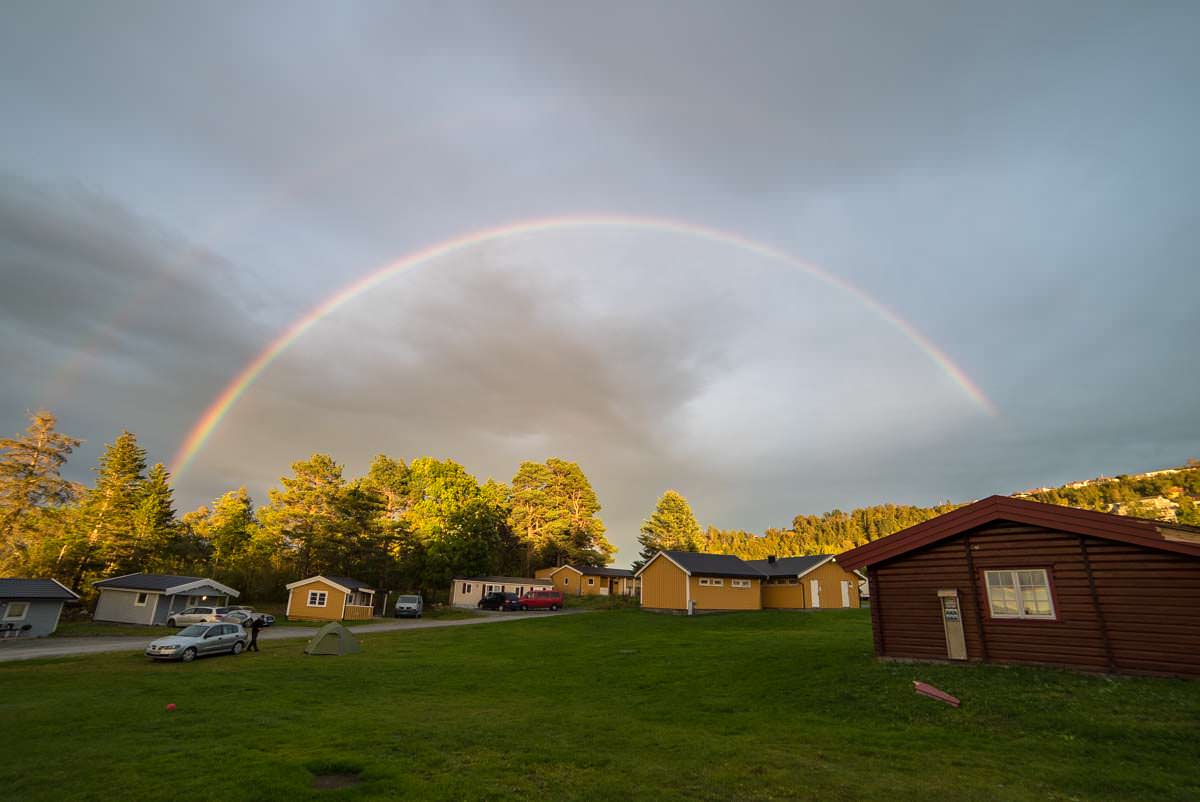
(831, 575)
(799, 597)
(664, 586)
(726, 597)
(567, 581)
(332, 611)
(784, 597)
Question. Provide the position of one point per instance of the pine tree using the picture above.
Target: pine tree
(31, 485)
(307, 515)
(108, 542)
(554, 514)
(671, 527)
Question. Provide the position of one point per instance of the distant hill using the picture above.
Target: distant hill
(1171, 494)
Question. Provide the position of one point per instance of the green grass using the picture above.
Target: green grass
(607, 705)
(89, 629)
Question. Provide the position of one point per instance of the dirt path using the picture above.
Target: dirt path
(65, 647)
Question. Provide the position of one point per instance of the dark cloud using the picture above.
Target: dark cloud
(108, 315)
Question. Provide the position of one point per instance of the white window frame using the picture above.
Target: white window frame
(140, 599)
(466, 587)
(1016, 577)
(741, 584)
(8, 616)
(591, 580)
(318, 598)
(712, 581)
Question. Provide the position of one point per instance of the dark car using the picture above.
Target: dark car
(498, 601)
(541, 600)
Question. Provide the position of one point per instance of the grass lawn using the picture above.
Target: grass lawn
(89, 629)
(607, 705)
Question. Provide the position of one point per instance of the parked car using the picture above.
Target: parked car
(497, 600)
(244, 616)
(198, 639)
(409, 606)
(541, 600)
(194, 615)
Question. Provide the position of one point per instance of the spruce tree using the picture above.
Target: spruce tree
(156, 531)
(671, 527)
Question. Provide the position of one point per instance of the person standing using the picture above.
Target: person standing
(255, 625)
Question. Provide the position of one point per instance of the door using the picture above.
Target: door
(814, 588)
(956, 642)
(845, 593)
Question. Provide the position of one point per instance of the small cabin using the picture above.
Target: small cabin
(589, 580)
(1007, 580)
(330, 598)
(689, 582)
(30, 608)
(152, 599)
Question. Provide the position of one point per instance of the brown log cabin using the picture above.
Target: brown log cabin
(1011, 581)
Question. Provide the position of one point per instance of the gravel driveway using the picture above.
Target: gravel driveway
(65, 647)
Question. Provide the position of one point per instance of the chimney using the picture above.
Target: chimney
(771, 559)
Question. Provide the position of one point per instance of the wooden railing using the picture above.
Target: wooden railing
(357, 612)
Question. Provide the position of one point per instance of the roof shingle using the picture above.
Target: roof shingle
(35, 589)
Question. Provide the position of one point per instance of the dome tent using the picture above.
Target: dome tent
(333, 638)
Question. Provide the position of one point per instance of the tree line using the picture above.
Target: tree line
(674, 527)
(403, 526)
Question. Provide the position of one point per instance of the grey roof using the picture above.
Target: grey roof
(34, 589)
(159, 582)
(592, 570)
(788, 566)
(713, 564)
(347, 582)
(504, 580)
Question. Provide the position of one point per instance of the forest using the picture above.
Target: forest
(403, 526)
(410, 526)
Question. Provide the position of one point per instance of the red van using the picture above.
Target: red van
(542, 600)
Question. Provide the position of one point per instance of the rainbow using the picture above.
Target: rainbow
(203, 428)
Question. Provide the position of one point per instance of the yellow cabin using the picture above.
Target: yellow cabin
(682, 581)
(588, 580)
(330, 598)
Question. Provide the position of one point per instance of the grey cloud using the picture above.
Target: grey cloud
(1018, 181)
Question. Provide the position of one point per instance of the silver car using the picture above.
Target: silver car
(244, 616)
(194, 615)
(409, 606)
(198, 639)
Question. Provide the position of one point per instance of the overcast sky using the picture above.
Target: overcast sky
(1020, 182)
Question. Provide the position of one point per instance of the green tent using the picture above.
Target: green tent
(332, 639)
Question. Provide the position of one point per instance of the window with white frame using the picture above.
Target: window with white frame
(316, 598)
(1019, 593)
(16, 611)
(740, 583)
(591, 580)
(712, 581)
(466, 587)
(140, 601)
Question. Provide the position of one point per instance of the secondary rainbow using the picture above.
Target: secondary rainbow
(220, 406)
